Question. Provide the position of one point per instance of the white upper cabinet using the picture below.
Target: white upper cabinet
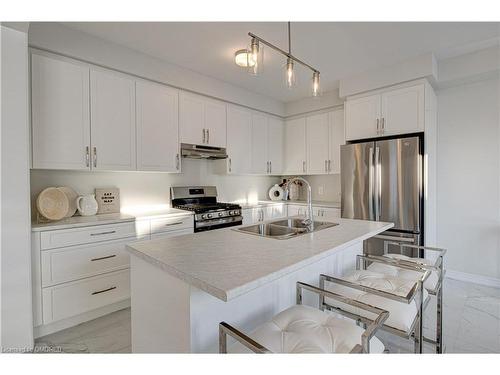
(112, 120)
(403, 110)
(157, 127)
(390, 112)
(202, 121)
(259, 154)
(318, 148)
(362, 119)
(239, 140)
(337, 139)
(275, 142)
(295, 146)
(215, 123)
(60, 113)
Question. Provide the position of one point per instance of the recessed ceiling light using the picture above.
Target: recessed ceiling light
(243, 58)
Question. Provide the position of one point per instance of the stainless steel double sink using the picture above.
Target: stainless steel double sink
(284, 229)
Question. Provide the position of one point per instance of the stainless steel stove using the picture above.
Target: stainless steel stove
(208, 213)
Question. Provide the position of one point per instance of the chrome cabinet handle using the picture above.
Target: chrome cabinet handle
(303, 166)
(229, 164)
(270, 166)
(87, 156)
(95, 157)
(103, 291)
(329, 165)
(102, 233)
(204, 135)
(378, 126)
(267, 167)
(176, 223)
(102, 258)
(208, 135)
(177, 162)
(382, 125)
(326, 165)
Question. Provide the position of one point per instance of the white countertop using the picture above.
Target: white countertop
(301, 202)
(226, 263)
(84, 221)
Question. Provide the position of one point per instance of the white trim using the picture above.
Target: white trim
(473, 278)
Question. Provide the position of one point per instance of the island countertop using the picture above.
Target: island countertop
(226, 263)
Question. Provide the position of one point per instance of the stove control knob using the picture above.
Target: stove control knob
(203, 216)
(209, 216)
(220, 214)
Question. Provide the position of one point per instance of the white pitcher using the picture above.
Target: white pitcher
(86, 205)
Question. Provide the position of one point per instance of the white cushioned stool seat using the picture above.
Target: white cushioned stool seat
(401, 314)
(304, 329)
(429, 284)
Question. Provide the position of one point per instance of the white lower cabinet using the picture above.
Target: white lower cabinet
(320, 213)
(82, 273)
(258, 214)
(70, 299)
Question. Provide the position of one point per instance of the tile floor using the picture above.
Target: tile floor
(471, 325)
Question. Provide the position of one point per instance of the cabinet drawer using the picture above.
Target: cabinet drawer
(67, 300)
(78, 236)
(168, 224)
(69, 264)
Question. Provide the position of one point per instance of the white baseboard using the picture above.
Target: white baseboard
(473, 278)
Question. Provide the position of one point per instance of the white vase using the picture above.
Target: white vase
(86, 205)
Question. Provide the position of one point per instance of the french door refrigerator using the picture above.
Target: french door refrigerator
(382, 181)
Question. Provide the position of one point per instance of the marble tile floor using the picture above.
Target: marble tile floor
(471, 325)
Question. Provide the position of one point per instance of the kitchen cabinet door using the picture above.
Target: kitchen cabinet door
(295, 146)
(112, 121)
(403, 110)
(361, 117)
(215, 123)
(318, 148)
(60, 113)
(157, 127)
(337, 139)
(239, 135)
(191, 119)
(275, 151)
(259, 144)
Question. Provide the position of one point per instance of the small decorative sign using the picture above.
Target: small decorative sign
(108, 200)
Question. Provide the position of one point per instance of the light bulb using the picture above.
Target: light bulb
(256, 57)
(315, 84)
(290, 76)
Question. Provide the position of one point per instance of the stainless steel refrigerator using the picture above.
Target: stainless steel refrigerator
(382, 181)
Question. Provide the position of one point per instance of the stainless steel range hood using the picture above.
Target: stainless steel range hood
(202, 152)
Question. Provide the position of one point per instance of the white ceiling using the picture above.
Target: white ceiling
(338, 50)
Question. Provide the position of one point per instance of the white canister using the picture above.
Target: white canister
(86, 205)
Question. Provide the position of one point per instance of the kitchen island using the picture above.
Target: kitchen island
(182, 287)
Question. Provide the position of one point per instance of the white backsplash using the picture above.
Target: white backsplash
(150, 190)
(324, 188)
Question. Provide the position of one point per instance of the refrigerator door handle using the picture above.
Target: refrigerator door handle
(378, 184)
(371, 195)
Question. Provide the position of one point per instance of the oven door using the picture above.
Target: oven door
(201, 226)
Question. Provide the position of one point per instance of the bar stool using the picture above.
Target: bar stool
(433, 285)
(404, 299)
(304, 329)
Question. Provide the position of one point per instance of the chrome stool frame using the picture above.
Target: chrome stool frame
(415, 294)
(371, 326)
(437, 291)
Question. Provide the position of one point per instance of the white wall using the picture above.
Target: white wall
(468, 208)
(64, 40)
(16, 329)
(326, 100)
(150, 189)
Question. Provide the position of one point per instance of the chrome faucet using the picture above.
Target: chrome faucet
(309, 221)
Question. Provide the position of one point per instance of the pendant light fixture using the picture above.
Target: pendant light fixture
(255, 61)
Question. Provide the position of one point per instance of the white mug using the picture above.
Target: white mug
(86, 205)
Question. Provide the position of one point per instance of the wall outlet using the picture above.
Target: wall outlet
(321, 190)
